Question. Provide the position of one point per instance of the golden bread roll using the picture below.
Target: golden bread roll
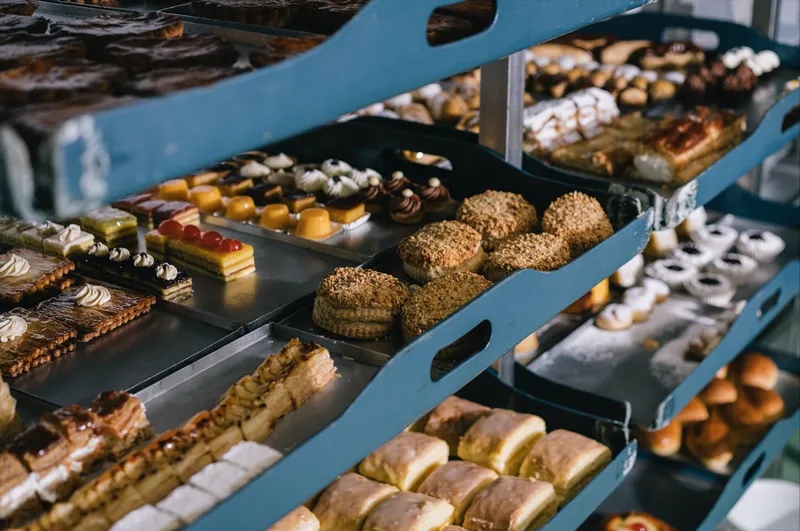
(501, 440)
(666, 441)
(512, 504)
(451, 419)
(409, 511)
(406, 460)
(457, 483)
(345, 504)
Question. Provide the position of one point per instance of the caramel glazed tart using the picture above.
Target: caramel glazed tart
(358, 303)
(440, 249)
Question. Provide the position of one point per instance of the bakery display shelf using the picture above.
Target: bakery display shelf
(94, 159)
(688, 496)
(623, 379)
(128, 358)
(773, 118)
(284, 273)
(349, 417)
(375, 142)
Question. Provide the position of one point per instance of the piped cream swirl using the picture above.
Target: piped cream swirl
(15, 266)
(11, 327)
(92, 295)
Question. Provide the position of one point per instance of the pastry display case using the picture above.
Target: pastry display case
(287, 294)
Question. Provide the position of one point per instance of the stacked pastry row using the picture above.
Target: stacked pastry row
(736, 408)
(467, 465)
(184, 472)
(10, 420)
(447, 256)
(49, 460)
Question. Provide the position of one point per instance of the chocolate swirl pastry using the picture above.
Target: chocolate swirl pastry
(373, 193)
(405, 204)
(327, 16)
(274, 13)
(101, 30)
(19, 49)
(18, 7)
(142, 54)
(17, 23)
(396, 184)
(282, 48)
(41, 82)
(665, 54)
(166, 80)
(435, 191)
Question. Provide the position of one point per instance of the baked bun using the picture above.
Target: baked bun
(754, 410)
(718, 392)
(712, 442)
(695, 411)
(666, 441)
(755, 370)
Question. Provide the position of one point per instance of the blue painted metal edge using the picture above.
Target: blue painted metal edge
(132, 148)
(767, 138)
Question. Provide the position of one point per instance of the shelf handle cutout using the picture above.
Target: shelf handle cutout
(769, 304)
(754, 470)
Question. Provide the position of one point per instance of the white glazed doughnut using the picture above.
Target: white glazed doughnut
(711, 289)
(735, 267)
(761, 245)
(718, 238)
(627, 275)
(673, 272)
(694, 254)
(657, 287)
(641, 301)
(615, 317)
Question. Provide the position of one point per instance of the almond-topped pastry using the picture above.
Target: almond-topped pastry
(542, 252)
(497, 216)
(567, 460)
(24, 273)
(99, 31)
(358, 303)
(142, 54)
(439, 249)
(578, 219)
(29, 339)
(281, 48)
(95, 310)
(437, 299)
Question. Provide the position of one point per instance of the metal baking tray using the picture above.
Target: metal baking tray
(284, 274)
(186, 12)
(349, 415)
(129, 358)
(124, 5)
(689, 497)
(773, 118)
(621, 378)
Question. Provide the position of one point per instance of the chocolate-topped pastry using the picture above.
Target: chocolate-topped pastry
(327, 16)
(737, 85)
(40, 82)
(397, 183)
(21, 48)
(282, 48)
(264, 193)
(718, 69)
(445, 28)
(142, 54)
(16, 23)
(406, 207)
(677, 54)
(274, 13)
(166, 80)
(435, 196)
(101, 30)
(18, 7)
(375, 195)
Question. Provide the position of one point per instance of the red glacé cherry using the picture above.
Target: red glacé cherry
(192, 233)
(229, 245)
(171, 228)
(211, 239)
(636, 526)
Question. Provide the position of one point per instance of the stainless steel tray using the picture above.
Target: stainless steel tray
(617, 365)
(130, 358)
(186, 12)
(197, 387)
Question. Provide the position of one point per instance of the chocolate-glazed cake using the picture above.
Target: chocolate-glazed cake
(142, 54)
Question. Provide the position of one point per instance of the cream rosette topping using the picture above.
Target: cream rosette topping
(167, 272)
(362, 177)
(311, 181)
(119, 254)
(14, 266)
(92, 295)
(282, 161)
(69, 234)
(12, 327)
(253, 169)
(48, 228)
(143, 260)
(340, 187)
(99, 250)
(334, 168)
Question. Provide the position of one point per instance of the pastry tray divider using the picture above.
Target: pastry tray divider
(772, 119)
(187, 14)
(697, 498)
(129, 148)
(764, 304)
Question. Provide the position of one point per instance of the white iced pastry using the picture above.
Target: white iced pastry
(281, 161)
(252, 457)
(734, 266)
(219, 479)
(187, 503)
(694, 253)
(340, 187)
(710, 288)
(254, 170)
(311, 181)
(334, 168)
(673, 272)
(362, 177)
(761, 245)
(717, 237)
(147, 518)
(401, 100)
(658, 288)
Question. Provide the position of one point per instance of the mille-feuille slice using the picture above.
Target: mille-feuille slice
(82, 429)
(17, 489)
(159, 477)
(123, 420)
(46, 453)
(110, 225)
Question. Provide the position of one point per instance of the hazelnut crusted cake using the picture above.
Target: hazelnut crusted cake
(579, 219)
(438, 299)
(358, 303)
(542, 252)
(497, 216)
(439, 249)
